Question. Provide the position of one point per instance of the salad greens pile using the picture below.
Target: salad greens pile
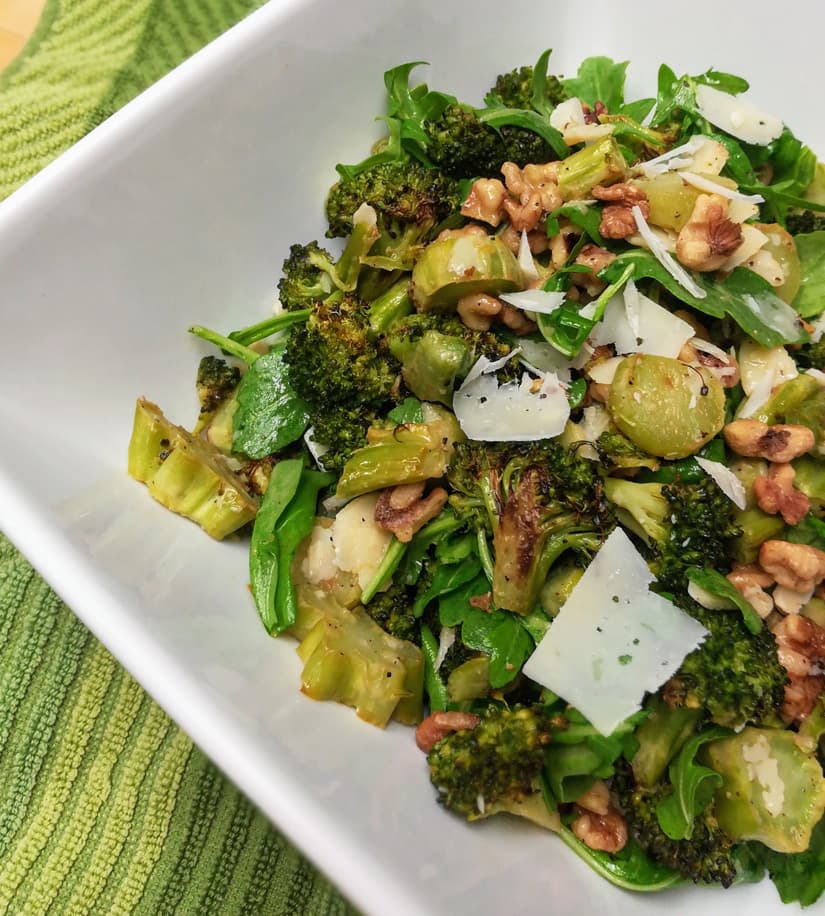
(565, 336)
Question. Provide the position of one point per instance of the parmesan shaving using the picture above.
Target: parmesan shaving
(446, 638)
(714, 187)
(525, 258)
(679, 274)
(676, 158)
(534, 300)
(736, 116)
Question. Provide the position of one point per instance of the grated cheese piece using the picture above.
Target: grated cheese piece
(726, 480)
(715, 187)
(670, 264)
(614, 640)
(677, 158)
(736, 116)
(752, 241)
(534, 300)
(525, 258)
(520, 411)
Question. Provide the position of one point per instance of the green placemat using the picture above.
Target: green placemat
(105, 805)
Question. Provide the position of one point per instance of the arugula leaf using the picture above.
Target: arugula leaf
(599, 79)
(799, 877)
(447, 579)
(587, 219)
(435, 687)
(693, 787)
(810, 530)
(530, 120)
(433, 532)
(408, 411)
(744, 296)
(270, 415)
(810, 300)
(725, 82)
(284, 519)
(638, 110)
(714, 582)
(501, 635)
(454, 606)
(538, 85)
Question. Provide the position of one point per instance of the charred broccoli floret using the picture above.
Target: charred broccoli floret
(515, 89)
(307, 277)
(343, 370)
(684, 523)
(707, 857)
(494, 766)
(805, 221)
(810, 355)
(735, 674)
(542, 499)
(216, 381)
(409, 200)
(392, 611)
(462, 146)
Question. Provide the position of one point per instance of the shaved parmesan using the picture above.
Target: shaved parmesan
(358, 540)
(614, 640)
(726, 480)
(603, 371)
(519, 411)
(752, 241)
(534, 300)
(736, 116)
(757, 363)
(709, 159)
(741, 210)
(633, 323)
(676, 158)
(568, 118)
(446, 638)
(316, 449)
(543, 357)
(525, 258)
(657, 249)
(715, 187)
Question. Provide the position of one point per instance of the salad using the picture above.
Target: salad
(535, 464)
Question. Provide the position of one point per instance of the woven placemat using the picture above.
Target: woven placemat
(106, 806)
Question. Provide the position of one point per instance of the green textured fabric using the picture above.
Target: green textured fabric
(105, 805)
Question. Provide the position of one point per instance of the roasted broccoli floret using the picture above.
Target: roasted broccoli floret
(307, 277)
(392, 611)
(617, 451)
(684, 523)
(462, 146)
(409, 200)
(804, 222)
(735, 674)
(494, 766)
(515, 89)
(707, 857)
(810, 355)
(216, 382)
(542, 499)
(343, 370)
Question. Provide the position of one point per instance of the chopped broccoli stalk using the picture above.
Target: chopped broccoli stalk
(772, 790)
(436, 350)
(408, 453)
(493, 767)
(801, 401)
(462, 146)
(735, 675)
(617, 451)
(600, 163)
(216, 384)
(390, 306)
(186, 474)
(542, 500)
(707, 857)
(469, 680)
(348, 658)
(660, 737)
(684, 523)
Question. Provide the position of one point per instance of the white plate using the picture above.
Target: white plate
(179, 210)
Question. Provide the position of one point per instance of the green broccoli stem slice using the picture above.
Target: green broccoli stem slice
(393, 304)
(600, 163)
(269, 326)
(232, 347)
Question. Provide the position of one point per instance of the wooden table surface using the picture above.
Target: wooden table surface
(18, 19)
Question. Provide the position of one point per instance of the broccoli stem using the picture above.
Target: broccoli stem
(269, 326)
(348, 268)
(391, 305)
(487, 563)
(389, 563)
(232, 347)
(600, 163)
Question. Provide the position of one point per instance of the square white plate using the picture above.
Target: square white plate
(179, 210)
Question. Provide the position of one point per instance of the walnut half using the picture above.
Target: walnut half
(708, 237)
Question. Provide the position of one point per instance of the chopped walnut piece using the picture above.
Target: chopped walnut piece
(708, 237)
(485, 201)
(471, 231)
(776, 494)
(596, 799)
(780, 443)
(605, 832)
(478, 310)
(744, 575)
(440, 724)
(796, 566)
(596, 259)
(402, 510)
(535, 192)
(618, 221)
(516, 320)
(801, 650)
(721, 364)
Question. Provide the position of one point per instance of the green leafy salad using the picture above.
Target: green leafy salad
(535, 463)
